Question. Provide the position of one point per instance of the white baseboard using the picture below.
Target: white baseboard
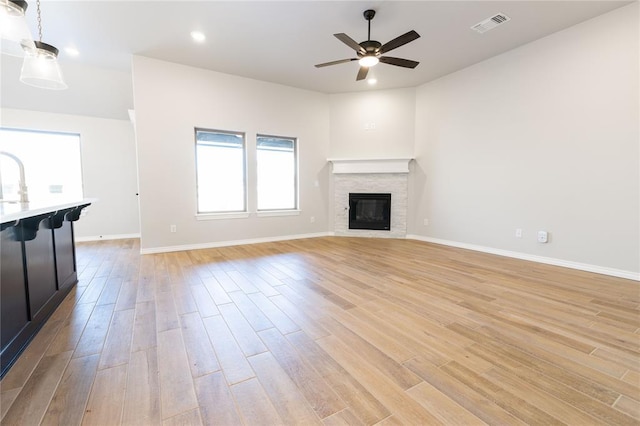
(507, 253)
(155, 250)
(620, 273)
(106, 237)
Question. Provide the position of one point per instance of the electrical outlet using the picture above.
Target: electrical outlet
(312, 219)
(518, 233)
(543, 236)
(426, 222)
(172, 228)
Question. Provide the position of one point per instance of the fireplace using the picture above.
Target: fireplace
(370, 211)
(368, 177)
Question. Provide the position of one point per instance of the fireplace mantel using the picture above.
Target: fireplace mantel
(370, 165)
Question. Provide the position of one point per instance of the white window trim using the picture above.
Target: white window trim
(218, 216)
(224, 215)
(273, 213)
(296, 155)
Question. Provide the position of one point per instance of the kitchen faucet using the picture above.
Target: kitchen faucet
(24, 197)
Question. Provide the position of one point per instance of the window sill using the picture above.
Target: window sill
(218, 216)
(273, 213)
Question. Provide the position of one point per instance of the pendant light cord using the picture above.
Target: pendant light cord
(39, 21)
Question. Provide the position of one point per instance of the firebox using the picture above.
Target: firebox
(370, 211)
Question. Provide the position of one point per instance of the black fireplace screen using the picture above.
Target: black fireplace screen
(370, 211)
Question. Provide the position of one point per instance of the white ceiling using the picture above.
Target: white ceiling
(281, 41)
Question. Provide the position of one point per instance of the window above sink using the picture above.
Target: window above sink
(52, 166)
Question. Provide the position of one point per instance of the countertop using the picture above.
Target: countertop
(12, 211)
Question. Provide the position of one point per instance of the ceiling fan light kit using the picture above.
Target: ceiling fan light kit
(368, 61)
(370, 52)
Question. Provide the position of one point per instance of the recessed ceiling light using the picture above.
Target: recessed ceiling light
(71, 51)
(372, 81)
(198, 36)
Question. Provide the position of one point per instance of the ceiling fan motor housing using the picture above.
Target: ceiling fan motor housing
(371, 47)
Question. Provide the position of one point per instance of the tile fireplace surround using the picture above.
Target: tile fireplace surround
(371, 176)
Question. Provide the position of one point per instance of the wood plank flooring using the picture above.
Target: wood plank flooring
(330, 330)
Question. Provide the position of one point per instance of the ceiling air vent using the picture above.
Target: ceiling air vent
(490, 23)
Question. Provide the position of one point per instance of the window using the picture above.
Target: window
(277, 173)
(51, 161)
(220, 171)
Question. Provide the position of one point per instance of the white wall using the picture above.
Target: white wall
(170, 101)
(391, 111)
(92, 91)
(108, 168)
(544, 137)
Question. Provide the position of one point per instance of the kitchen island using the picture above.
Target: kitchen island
(37, 269)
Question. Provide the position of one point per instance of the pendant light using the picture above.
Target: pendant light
(40, 67)
(14, 31)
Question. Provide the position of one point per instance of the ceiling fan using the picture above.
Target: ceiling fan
(370, 52)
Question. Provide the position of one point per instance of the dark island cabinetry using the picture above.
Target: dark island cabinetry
(14, 311)
(37, 270)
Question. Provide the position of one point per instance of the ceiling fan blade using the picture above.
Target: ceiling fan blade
(399, 41)
(406, 63)
(350, 42)
(362, 73)
(341, 61)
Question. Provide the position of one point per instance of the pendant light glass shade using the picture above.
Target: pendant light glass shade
(40, 68)
(14, 31)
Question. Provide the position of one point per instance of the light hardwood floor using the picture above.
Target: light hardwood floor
(334, 331)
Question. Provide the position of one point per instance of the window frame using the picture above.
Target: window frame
(204, 215)
(296, 202)
(33, 131)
